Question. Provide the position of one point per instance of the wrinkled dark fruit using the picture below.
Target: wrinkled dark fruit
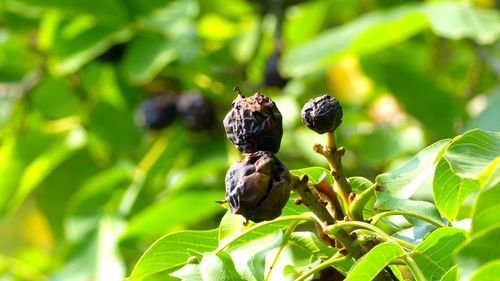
(197, 111)
(158, 112)
(254, 124)
(272, 78)
(113, 54)
(258, 187)
(322, 114)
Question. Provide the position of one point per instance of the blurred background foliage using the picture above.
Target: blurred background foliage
(84, 189)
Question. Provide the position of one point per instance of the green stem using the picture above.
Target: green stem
(377, 217)
(334, 157)
(357, 206)
(331, 229)
(286, 236)
(305, 217)
(415, 269)
(335, 259)
(299, 186)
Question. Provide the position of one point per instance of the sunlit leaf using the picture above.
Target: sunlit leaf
(486, 209)
(211, 267)
(399, 185)
(487, 271)
(371, 264)
(172, 251)
(97, 257)
(404, 181)
(451, 274)
(145, 224)
(71, 52)
(434, 255)
(481, 248)
(314, 174)
(309, 242)
(383, 28)
(457, 173)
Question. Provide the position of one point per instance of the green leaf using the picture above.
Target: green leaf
(487, 271)
(451, 274)
(434, 255)
(106, 11)
(172, 251)
(293, 209)
(463, 20)
(146, 57)
(314, 174)
(230, 226)
(480, 249)
(458, 171)
(450, 190)
(268, 229)
(359, 184)
(92, 196)
(412, 175)
(257, 263)
(400, 22)
(145, 224)
(371, 264)
(55, 98)
(470, 153)
(399, 185)
(211, 267)
(43, 165)
(486, 209)
(380, 29)
(16, 60)
(98, 257)
(309, 242)
(74, 50)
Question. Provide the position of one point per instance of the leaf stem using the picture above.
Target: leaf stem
(357, 206)
(303, 217)
(299, 186)
(378, 231)
(377, 217)
(334, 157)
(286, 236)
(335, 259)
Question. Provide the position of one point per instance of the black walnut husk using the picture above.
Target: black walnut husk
(158, 112)
(272, 77)
(254, 124)
(258, 187)
(322, 114)
(113, 54)
(197, 111)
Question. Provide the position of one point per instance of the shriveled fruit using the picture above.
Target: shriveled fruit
(197, 111)
(258, 187)
(157, 112)
(322, 114)
(254, 124)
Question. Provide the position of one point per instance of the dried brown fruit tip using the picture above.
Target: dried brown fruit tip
(254, 124)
